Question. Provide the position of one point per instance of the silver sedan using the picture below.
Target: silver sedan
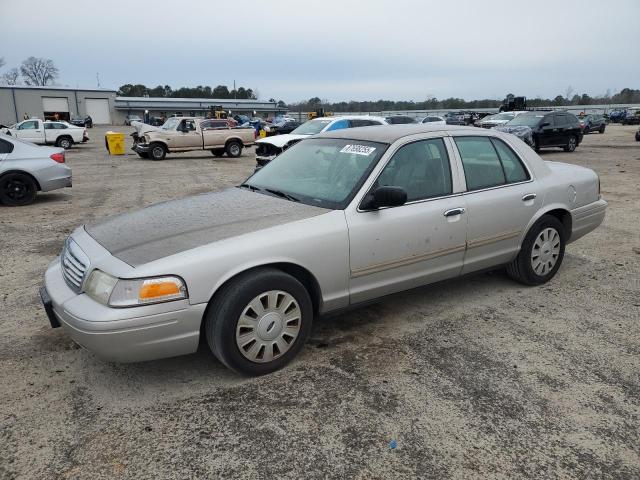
(339, 219)
(26, 168)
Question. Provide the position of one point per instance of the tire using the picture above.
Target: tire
(233, 149)
(530, 270)
(64, 142)
(157, 151)
(231, 316)
(601, 129)
(217, 152)
(143, 155)
(571, 146)
(536, 145)
(17, 189)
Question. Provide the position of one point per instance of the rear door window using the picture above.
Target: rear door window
(482, 167)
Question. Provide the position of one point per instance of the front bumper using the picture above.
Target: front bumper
(141, 148)
(122, 334)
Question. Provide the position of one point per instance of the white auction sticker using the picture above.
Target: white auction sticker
(358, 149)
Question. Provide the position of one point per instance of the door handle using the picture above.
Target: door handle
(454, 211)
(529, 196)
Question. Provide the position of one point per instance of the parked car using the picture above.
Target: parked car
(592, 123)
(631, 118)
(434, 120)
(26, 169)
(58, 133)
(616, 116)
(340, 219)
(546, 129)
(187, 134)
(269, 148)
(399, 119)
(498, 119)
(132, 118)
(80, 121)
(286, 126)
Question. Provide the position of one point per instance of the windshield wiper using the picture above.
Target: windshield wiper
(250, 187)
(282, 194)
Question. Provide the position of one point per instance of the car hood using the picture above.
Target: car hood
(178, 225)
(281, 140)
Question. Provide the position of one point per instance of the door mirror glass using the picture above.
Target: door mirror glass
(386, 196)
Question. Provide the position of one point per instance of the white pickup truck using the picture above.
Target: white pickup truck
(60, 134)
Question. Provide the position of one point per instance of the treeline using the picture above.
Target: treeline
(221, 91)
(626, 95)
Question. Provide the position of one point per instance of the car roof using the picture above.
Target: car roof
(392, 133)
(352, 117)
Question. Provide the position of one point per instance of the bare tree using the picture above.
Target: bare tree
(38, 71)
(1, 62)
(568, 92)
(11, 77)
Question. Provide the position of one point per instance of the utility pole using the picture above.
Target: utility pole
(235, 93)
(98, 78)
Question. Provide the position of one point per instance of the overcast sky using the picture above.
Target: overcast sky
(339, 50)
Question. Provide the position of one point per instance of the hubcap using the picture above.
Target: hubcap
(65, 143)
(157, 152)
(235, 149)
(268, 326)
(545, 252)
(572, 143)
(15, 189)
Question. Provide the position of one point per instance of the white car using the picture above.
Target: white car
(58, 133)
(270, 147)
(497, 120)
(26, 168)
(434, 120)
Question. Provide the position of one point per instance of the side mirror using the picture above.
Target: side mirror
(386, 196)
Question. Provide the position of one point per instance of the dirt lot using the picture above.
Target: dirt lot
(476, 378)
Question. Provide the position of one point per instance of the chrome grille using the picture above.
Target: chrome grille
(74, 265)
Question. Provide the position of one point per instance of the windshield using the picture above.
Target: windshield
(170, 124)
(311, 127)
(501, 116)
(526, 120)
(323, 172)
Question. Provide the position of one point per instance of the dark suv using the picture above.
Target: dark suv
(550, 129)
(592, 123)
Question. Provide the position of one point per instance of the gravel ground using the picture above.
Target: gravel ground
(477, 378)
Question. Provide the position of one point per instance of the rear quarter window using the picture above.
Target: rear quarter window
(5, 147)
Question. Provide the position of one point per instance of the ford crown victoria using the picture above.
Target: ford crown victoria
(341, 218)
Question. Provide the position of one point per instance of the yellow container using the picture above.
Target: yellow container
(114, 142)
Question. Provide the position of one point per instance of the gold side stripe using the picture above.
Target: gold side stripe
(481, 242)
(379, 267)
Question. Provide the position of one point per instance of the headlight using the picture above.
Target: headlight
(115, 292)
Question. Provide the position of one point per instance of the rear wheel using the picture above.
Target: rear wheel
(601, 129)
(233, 149)
(541, 254)
(64, 142)
(572, 144)
(17, 189)
(157, 151)
(259, 321)
(217, 152)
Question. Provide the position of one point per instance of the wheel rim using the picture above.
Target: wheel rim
(16, 190)
(268, 326)
(546, 251)
(157, 152)
(572, 143)
(64, 143)
(235, 149)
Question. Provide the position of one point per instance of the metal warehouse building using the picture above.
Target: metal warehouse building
(165, 107)
(105, 108)
(45, 102)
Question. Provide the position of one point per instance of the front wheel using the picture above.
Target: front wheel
(541, 253)
(233, 149)
(573, 143)
(157, 151)
(217, 152)
(17, 189)
(259, 321)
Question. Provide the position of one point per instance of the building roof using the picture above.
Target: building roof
(55, 87)
(171, 103)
